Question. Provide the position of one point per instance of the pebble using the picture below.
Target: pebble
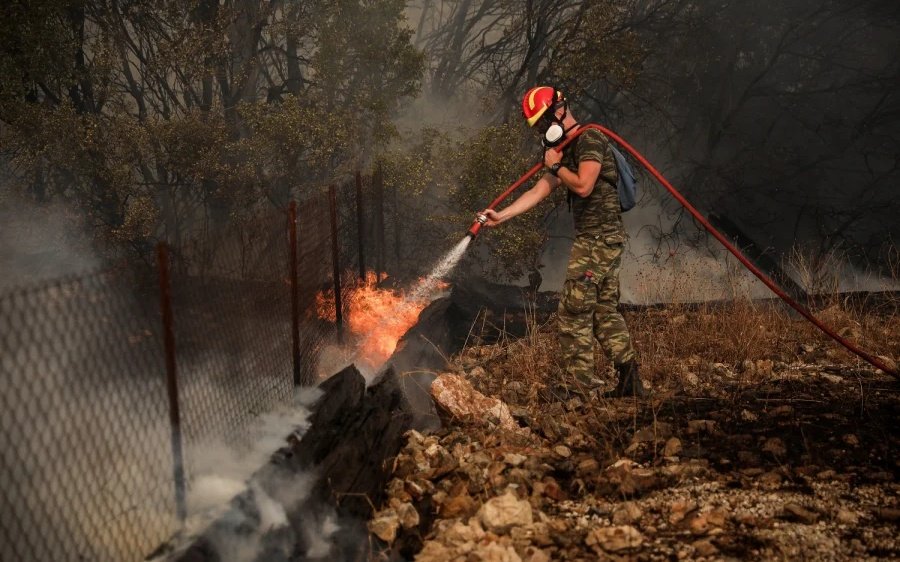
(796, 512)
(514, 459)
(705, 548)
(626, 514)
(614, 539)
(775, 446)
(846, 517)
(384, 525)
(562, 451)
(673, 447)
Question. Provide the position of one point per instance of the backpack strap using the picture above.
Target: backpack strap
(570, 197)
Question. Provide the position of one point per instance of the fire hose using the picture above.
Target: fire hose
(768, 282)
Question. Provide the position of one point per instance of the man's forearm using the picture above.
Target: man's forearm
(527, 200)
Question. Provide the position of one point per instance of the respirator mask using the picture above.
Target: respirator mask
(551, 127)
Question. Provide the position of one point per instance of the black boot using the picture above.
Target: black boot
(629, 382)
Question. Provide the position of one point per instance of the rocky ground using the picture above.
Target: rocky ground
(790, 458)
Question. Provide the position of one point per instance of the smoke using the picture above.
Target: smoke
(671, 259)
(259, 527)
(40, 242)
(220, 470)
(786, 126)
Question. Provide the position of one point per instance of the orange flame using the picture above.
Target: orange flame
(376, 317)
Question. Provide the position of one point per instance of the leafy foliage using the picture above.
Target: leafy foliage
(166, 120)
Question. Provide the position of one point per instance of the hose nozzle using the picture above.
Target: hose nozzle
(480, 219)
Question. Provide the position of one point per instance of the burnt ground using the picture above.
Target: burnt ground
(783, 458)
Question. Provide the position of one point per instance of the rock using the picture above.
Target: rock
(499, 514)
(493, 552)
(701, 426)
(628, 481)
(541, 534)
(826, 475)
(775, 446)
(748, 416)
(846, 517)
(396, 489)
(705, 548)
(703, 523)
(796, 512)
(514, 459)
(680, 509)
(384, 525)
(614, 539)
(656, 432)
(626, 514)
(588, 466)
(770, 479)
(576, 440)
(562, 451)
(433, 551)
(722, 370)
(672, 448)
(550, 488)
(633, 448)
(407, 515)
(454, 395)
(534, 554)
(460, 533)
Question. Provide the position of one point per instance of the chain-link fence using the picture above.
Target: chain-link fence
(93, 428)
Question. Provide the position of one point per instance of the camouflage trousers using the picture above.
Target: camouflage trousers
(588, 306)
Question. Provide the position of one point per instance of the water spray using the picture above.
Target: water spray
(474, 230)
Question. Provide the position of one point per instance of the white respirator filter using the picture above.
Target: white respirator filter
(554, 135)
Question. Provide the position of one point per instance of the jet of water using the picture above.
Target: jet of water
(428, 286)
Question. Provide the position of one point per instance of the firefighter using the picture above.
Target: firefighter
(588, 305)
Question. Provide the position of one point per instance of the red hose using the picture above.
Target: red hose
(868, 357)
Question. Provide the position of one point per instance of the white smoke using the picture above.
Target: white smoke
(653, 272)
(41, 242)
(221, 471)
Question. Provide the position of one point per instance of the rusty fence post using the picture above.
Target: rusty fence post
(336, 262)
(397, 232)
(378, 190)
(360, 227)
(295, 293)
(168, 321)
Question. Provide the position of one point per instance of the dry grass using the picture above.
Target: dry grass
(678, 340)
(682, 344)
(689, 352)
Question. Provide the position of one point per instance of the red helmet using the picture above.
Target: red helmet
(537, 100)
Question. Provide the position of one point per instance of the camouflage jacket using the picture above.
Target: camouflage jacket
(598, 214)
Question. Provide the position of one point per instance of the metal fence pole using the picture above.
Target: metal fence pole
(165, 303)
(396, 227)
(378, 189)
(336, 262)
(295, 293)
(360, 227)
